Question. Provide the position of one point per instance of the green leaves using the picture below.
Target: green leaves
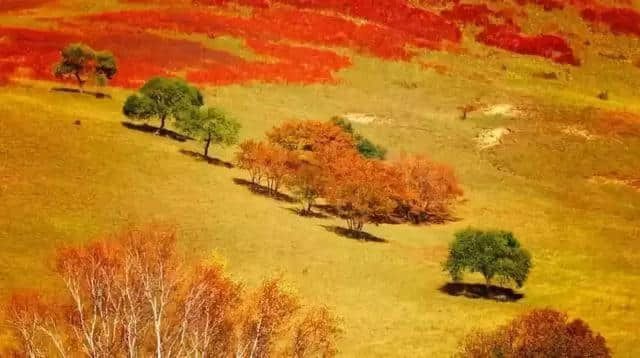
(211, 125)
(494, 254)
(81, 62)
(161, 98)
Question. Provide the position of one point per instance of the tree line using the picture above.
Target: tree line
(131, 295)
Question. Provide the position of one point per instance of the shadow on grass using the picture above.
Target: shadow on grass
(263, 191)
(99, 95)
(306, 214)
(149, 129)
(202, 158)
(354, 235)
(478, 290)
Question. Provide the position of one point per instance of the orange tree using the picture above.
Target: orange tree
(429, 188)
(131, 294)
(538, 333)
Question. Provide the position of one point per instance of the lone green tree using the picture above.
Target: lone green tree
(162, 98)
(494, 254)
(82, 63)
(210, 125)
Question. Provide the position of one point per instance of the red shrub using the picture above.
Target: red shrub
(509, 38)
(620, 20)
(470, 14)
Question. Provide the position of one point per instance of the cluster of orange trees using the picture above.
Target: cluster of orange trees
(316, 159)
(130, 295)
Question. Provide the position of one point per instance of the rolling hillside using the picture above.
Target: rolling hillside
(550, 148)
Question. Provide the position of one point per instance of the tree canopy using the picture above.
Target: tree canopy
(538, 333)
(162, 98)
(210, 125)
(494, 254)
(82, 63)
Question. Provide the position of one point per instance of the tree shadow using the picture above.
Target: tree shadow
(98, 95)
(263, 191)
(150, 129)
(477, 290)
(202, 158)
(354, 235)
(306, 214)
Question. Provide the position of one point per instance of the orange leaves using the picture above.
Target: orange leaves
(310, 136)
(538, 333)
(429, 188)
(129, 295)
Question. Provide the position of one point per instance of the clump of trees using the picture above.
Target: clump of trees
(538, 333)
(316, 159)
(130, 294)
(162, 98)
(83, 63)
(494, 254)
(210, 125)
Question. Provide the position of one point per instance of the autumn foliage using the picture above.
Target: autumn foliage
(319, 160)
(131, 295)
(538, 333)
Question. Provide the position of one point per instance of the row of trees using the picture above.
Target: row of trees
(131, 295)
(316, 159)
(173, 98)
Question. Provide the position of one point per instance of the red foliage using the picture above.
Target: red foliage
(620, 20)
(509, 38)
(396, 14)
(470, 14)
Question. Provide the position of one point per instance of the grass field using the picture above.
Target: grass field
(63, 183)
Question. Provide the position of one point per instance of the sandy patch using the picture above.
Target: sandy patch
(491, 137)
(505, 110)
(362, 118)
(577, 131)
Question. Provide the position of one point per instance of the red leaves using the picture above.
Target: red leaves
(549, 46)
(620, 20)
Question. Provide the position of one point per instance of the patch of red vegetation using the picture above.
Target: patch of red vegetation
(396, 14)
(34, 50)
(509, 38)
(279, 24)
(15, 5)
(619, 20)
(33, 53)
(477, 14)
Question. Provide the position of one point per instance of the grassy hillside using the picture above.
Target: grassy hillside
(560, 180)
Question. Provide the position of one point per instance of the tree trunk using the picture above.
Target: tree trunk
(162, 121)
(487, 285)
(206, 146)
(80, 82)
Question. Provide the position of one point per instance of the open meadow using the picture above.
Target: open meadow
(549, 150)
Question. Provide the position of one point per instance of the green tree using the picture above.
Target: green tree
(370, 150)
(494, 254)
(82, 63)
(210, 125)
(162, 98)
